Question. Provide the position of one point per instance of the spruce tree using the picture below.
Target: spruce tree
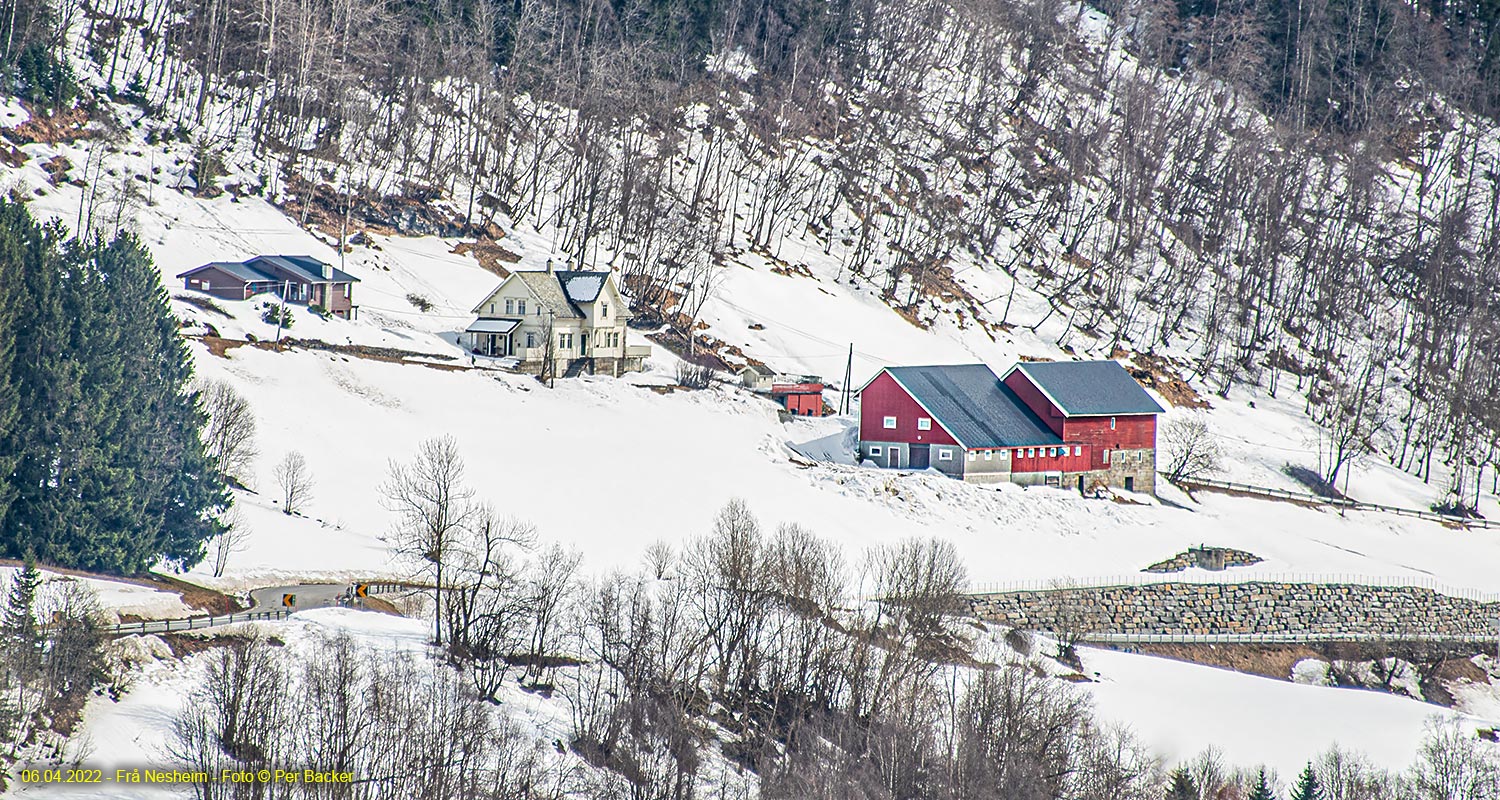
(18, 619)
(110, 472)
(1262, 790)
(1182, 787)
(1307, 786)
(13, 227)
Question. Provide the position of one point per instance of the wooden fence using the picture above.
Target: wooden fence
(1313, 499)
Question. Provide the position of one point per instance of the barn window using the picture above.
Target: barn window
(1111, 423)
(945, 455)
(972, 455)
(1077, 450)
(989, 455)
(1030, 453)
(890, 423)
(1106, 456)
(1018, 453)
(924, 424)
(874, 451)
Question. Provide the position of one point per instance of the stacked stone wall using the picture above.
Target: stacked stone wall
(1176, 608)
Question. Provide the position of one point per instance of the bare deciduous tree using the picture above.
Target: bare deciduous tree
(432, 505)
(296, 482)
(229, 435)
(230, 540)
(1189, 448)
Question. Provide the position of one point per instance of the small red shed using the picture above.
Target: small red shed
(801, 399)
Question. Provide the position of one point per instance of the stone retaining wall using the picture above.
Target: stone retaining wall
(1228, 608)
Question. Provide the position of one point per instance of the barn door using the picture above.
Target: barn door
(893, 457)
(921, 457)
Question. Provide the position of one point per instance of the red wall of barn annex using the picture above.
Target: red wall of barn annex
(1134, 432)
(883, 398)
(1036, 401)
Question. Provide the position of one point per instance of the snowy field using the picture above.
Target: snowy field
(1181, 709)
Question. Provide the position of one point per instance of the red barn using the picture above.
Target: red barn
(801, 399)
(1056, 423)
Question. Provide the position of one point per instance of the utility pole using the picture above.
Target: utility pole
(286, 286)
(844, 399)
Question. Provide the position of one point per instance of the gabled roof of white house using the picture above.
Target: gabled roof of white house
(971, 403)
(582, 287)
(542, 286)
(1088, 388)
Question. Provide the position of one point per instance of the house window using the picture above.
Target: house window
(207, 285)
(1106, 456)
(945, 455)
(530, 339)
(874, 451)
(565, 341)
(1111, 423)
(521, 307)
(346, 291)
(924, 424)
(890, 423)
(510, 306)
(605, 313)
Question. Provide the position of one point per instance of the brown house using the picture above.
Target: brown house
(296, 279)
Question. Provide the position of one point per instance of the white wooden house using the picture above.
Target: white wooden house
(574, 319)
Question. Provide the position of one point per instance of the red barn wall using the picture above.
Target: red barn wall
(1036, 401)
(1136, 432)
(1041, 462)
(883, 398)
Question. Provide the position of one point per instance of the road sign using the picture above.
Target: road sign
(361, 590)
(289, 600)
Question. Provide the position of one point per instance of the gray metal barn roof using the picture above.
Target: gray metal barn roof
(971, 403)
(1089, 388)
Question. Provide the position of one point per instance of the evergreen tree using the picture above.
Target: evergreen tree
(110, 472)
(12, 254)
(1262, 790)
(18, 618)
(1307, 786)
(1182, 787)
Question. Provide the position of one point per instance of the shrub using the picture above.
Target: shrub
(277, 314)
(422, 303)
(320, 311)
(694, 376)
